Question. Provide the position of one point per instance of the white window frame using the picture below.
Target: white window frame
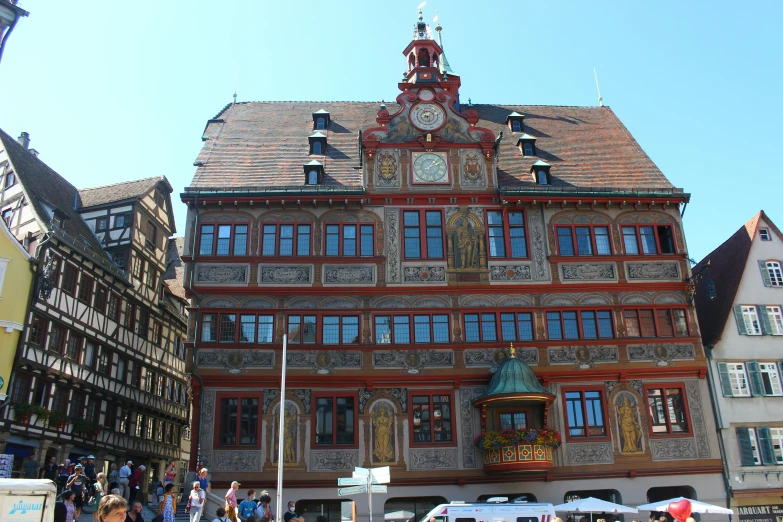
(764, 234)
(775, 273)
(750, 316)
(775, 315)
(754, 445)
(776, 435)
(3, 269)
(739, 380)
(771, 369)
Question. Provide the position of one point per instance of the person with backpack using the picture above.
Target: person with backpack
(221, 515)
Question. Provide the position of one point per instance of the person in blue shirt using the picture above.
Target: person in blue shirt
(247, 507)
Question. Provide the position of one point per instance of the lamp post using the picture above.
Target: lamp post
(10, 13)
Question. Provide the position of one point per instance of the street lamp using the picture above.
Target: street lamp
(10, 13)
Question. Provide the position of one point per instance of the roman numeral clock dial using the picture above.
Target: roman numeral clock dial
(430, 167)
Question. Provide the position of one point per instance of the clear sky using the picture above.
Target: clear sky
(112, 91)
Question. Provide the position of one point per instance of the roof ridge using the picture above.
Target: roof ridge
(121, 183)
(39, 160)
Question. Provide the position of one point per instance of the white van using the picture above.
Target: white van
(27, 500)
(497, 509)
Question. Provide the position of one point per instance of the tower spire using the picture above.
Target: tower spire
(445, 68)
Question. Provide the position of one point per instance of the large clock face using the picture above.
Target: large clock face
(428, 116)
(430, 167)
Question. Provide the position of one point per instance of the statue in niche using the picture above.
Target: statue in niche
(467, 243)
(383, 422)
(289, 453)
(630, 431)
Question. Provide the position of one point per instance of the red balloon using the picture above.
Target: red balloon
(680, 510)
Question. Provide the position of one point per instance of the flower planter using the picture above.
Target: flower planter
(519, 458)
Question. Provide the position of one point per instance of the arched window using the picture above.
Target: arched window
(312, 177)
(528, 147)
(320, 123)
(542, 177)
(316, 147)
(516, 126)
(424, 58)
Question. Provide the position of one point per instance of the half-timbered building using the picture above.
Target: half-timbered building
(99, 368)
(402, 248)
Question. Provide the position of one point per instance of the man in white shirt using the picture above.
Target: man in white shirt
(124, 477)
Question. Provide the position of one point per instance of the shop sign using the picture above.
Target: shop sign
(768, 513)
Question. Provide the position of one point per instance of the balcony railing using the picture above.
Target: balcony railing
(518, 458)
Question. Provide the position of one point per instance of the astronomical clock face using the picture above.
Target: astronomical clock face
(427, 116)
(430, 167)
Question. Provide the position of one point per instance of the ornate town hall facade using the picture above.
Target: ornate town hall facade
(403, 247)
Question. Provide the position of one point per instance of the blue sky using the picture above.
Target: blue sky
(112, 91)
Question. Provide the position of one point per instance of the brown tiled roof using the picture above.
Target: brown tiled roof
(44, 186)
(126, 190)
(174, 277)
(726, 265)
(264, 145)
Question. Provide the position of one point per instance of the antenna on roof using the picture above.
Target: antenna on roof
(600, 100)
(236, 80)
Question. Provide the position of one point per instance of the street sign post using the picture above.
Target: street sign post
(365, 481)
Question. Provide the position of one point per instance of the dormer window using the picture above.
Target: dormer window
(317, 143)
(540, 172)
(320, 119)
(527, 145)
(515, 121)
(314, 171)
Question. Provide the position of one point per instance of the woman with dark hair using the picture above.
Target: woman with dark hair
(170, 473)
(112, 508)
(64, 510)
(168, 507)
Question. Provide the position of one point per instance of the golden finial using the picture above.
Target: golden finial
(512, 351)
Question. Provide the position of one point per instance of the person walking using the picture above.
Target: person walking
(114, 476)
(100, 490)
(124, 478)
(168, 507)
(76, 483)
(247, 507)
(170, 473)
(30, 467)
(64, 510)
(135, 482)
(231, 501)
(49, 471)
(89, 468)
(203, 479)
(264, 509)
(112, 508)
(197, 500)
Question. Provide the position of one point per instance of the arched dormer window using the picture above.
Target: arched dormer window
(312, 177)
(528, 149)
(313, 171)
(320, 119)
(527, 145)
(540, 171)
(516, 122)
(316, 147)
(317, 143)
(320, 123)
(516, 126)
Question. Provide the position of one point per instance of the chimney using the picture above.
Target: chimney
(24, 140)
(34, 152)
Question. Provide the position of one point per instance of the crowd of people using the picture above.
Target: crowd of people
(110, 508)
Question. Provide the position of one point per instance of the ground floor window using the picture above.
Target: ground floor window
(666, 492)
(334, 510)
(410, 508)
(520, 497)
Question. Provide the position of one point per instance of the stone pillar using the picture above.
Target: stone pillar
(43, 449)
(64, 451)
(367, 423)
(194, 427)
(401, 438)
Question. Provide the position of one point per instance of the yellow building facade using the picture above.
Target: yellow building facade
(15, 280)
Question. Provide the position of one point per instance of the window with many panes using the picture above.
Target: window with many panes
(228, 327)
(423, 234)
(775, 273)
(737, 379)
(209, 328)
(760, 445)
(335, 420)
(73, 346)
(100, 298)
(340, 329)
(431, 418)
(85, 289)
(648, 239)
(585, 413)
(56, 339)
(750, 318)
(397, 329)
(583, 324)
(104, 361)
(285, 240)
(506, 237)
(770, 379)
(151, 236)
(60, 399)
(349, 240)
(113, 310)
(37, 330)
(775, 320)
(583, 240)
(256, 328)
(69, 279)
(20, 388)
(224, 240)
(656, 323)
(480, 327)
(302, 328)
(667, 410)
(512, 420)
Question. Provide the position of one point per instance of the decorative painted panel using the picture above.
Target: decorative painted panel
(661, 354)
(413, 361)
(222, 274)
(673, 449)
(590, 453)
(538, 244)
(588, 272)
(324, 361)
(517, 272)
(492, 358)
(471, 168)
(440, 458)
(235, 461)
(583, 357)
(285, 275)
(235, 359)
(653, 271)
(392, 219)
(349, 274)
(387, 169)
(399, 394)
(424, 274)
(696, 408)
(333, 460)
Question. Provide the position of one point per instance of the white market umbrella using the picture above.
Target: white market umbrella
(399, 515)
(696, 506)
(593, 505)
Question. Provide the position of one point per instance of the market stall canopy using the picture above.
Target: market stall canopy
(696, 506)
(594, 505)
